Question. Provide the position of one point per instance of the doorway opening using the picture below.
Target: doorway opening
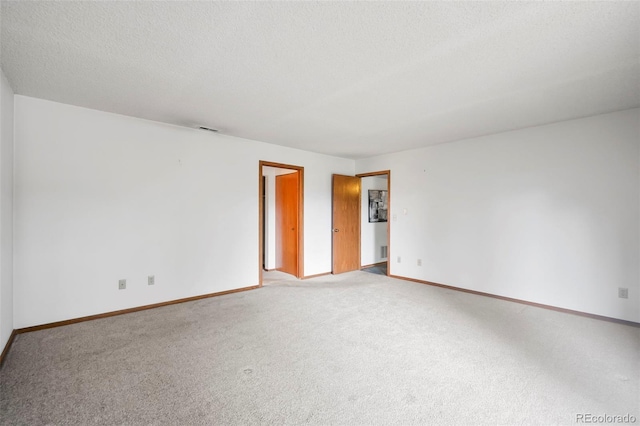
(374, 231)
(281, 231)
(361, 226)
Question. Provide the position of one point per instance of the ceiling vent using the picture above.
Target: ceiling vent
(209, 129)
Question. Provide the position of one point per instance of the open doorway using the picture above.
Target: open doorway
(358, 243)
(281, 219)
(374, 236)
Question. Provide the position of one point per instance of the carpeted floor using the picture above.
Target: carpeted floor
(357, 348)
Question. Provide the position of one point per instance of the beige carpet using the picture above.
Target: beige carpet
(358, 348)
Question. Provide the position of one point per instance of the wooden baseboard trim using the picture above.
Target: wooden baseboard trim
(316, 275)
(130, 310)
(5, 351)
(374, 264)
(523, 302)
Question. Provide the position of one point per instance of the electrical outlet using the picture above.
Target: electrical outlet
(623, 293)
(419, 262)
(399, 259)
(151, 280)
(122, 284)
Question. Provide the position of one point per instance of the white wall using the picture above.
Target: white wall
(373, 235)
(548, 214)
(100, 197)
(270, 213)
(6, 210)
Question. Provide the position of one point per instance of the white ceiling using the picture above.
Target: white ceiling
(352, 79)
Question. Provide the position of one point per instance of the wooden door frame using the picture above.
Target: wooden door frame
(389, 216)
(300, 171)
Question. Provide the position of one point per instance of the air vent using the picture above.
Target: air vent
(209, 129)
(383, 252)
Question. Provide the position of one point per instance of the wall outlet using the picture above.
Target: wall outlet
(419, 262)
(399, 259)
(151, 280)
(623, 293)
(122, 284)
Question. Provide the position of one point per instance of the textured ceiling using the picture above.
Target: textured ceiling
(351, 79)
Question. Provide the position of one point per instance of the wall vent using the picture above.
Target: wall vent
(209, 129)
(383, 252)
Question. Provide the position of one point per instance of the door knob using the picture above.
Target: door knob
(335, 229)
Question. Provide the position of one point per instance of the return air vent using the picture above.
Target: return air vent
(209, 129)
(383, 252)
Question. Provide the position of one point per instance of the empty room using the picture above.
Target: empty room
(325, 213)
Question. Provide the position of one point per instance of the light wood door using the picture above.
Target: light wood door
(346, 223)
(287, 223)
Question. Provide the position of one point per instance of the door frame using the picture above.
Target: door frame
(300, 171)
(389, 216)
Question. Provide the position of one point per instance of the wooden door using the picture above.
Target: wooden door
(346, 223)
(287, 223)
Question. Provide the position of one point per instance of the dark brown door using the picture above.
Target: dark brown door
(287, 223)
(346, 223)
